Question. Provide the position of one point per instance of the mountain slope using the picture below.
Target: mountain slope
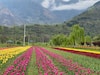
(89, 19)
(39, 11)
(31, 11)
(7, 17)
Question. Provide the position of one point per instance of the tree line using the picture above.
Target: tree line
(76, 37)
(55, 34)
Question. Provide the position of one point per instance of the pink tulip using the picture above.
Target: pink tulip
(20, 64)
(45, 63)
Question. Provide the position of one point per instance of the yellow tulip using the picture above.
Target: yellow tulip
(9, 53)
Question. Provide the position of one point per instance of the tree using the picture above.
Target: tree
(77, 35)
(59, 40)
(87, 40)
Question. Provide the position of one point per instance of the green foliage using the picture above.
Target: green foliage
(77, 35)
(43, 33)
(88, 39)
(96, 38)
(35, 33)
(59, 39)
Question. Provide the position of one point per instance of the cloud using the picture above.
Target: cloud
(80, 5)
(47, 3)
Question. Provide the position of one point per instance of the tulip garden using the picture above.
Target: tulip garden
(48, 61)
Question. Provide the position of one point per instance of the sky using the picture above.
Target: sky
(79, 5)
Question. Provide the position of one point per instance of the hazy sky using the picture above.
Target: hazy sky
(79, 5)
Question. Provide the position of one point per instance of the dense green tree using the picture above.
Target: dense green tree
(88, 39)
(59, 40)
(77, 35)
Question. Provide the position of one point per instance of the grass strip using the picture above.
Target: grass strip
(61, 67)
(85, 61)
(32, 67)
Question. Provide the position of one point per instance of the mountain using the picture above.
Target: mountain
(89, 19)
(35, 11)
(28, 11)
(8, 18)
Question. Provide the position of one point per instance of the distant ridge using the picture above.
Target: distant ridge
(18, 12)
(90, 20)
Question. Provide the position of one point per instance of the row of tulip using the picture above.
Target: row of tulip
(71, 66)
(19, 65)
(45, 64)
(94, 54)
(81, 50)
(6, 54)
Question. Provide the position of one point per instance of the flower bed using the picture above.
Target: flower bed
(19, 65)
(45, 65)
(9, 53)
(71, 66)
(86, 53)
(48, 62)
